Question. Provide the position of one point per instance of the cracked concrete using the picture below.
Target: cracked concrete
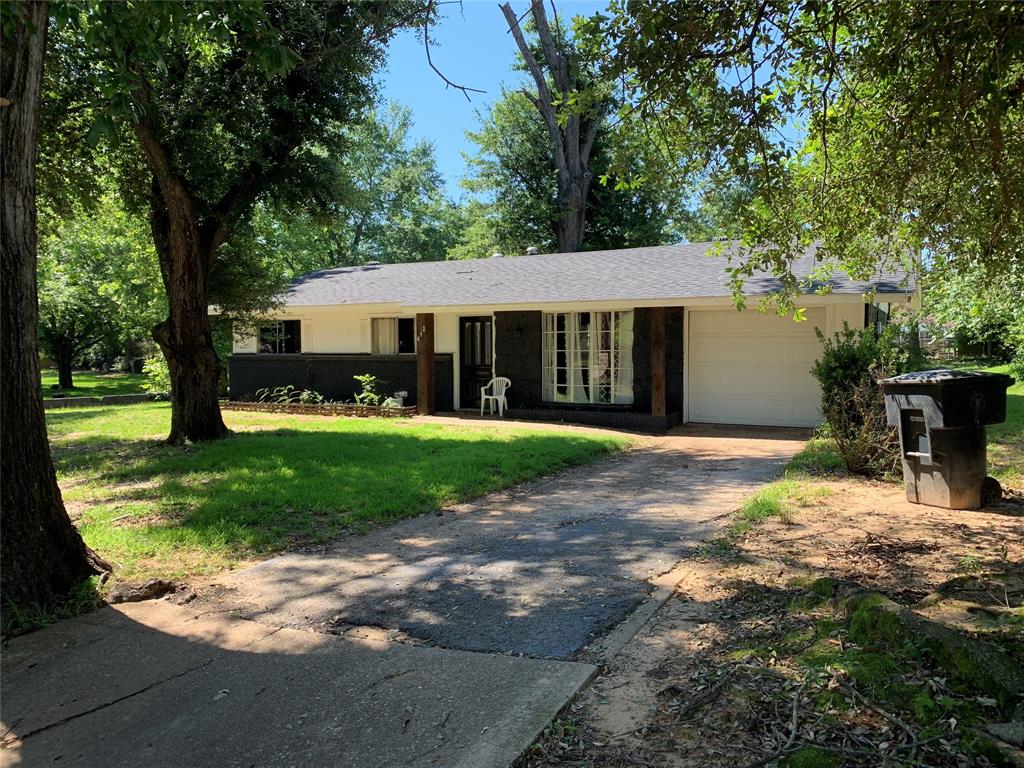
(151, 684)
(543, 571)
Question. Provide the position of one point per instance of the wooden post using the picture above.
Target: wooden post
(659, 390)
(425, 387)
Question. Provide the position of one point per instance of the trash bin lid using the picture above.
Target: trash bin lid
(943, 375)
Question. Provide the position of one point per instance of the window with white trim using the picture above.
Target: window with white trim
(281, 337)
(392, 335)
(588, 357)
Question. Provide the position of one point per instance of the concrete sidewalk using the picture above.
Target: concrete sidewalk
(151, 684)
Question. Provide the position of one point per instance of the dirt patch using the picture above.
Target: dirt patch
(736, 670)
(868, 532)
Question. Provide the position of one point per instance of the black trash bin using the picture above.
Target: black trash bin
(941, 416)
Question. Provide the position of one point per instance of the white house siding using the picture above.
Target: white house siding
(739, 367)
(344, 330)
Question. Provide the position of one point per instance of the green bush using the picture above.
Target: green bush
(371, 385)
(1016, 342)
(158, 377)
(850, 366)
(289, 394)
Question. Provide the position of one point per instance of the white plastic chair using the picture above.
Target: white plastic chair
(497, 385)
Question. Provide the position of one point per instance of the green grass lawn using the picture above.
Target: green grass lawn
(281, 480)
(1006, 440)
(93, 384)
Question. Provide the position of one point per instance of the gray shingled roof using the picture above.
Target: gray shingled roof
(675, 272)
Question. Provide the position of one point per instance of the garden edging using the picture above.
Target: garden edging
(321, 409)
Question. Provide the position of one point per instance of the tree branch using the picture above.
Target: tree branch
(556, 62)
(426, 47)
(591, 134)
(544, 100)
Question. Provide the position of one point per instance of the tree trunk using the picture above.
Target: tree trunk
(64, 361)
(571, 136)
(185, 337)
(42, 556)
(572, 225)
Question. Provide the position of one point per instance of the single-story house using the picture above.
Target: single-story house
(640, 337)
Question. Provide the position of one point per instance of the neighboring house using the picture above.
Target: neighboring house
(640, 337)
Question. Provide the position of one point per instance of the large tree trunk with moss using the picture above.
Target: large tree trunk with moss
(185, 337)
(42, 556)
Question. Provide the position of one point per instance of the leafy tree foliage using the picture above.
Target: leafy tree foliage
(518, 200)
(910, 113)
(99, 286)
(970, 311)
(384, 202)
(562, 78)
(227, 105)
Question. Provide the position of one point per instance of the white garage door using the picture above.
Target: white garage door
(749, 368)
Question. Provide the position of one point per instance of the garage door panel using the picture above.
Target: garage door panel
(720, 350)
(750, 368)
(781, 413)
(774, 382)
(724, 321)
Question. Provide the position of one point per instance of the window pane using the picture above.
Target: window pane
(281, 337)
(270, 336)
(406, 335)
(587, 357)
(292, 331)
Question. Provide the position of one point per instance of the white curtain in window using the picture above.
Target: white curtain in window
(385, 336)
(587, 357)
(577, 339)
(622, 358)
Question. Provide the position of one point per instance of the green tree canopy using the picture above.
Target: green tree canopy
(382, 202)
(967, 309)
(218, 106)
(877, 129)
(514, 181)
(99, 285)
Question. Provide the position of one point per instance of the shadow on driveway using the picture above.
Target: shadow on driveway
(540, 570)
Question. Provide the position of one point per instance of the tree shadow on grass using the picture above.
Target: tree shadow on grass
(261, 491)
(540, 572)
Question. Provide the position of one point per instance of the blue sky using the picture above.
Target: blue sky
(473, 48)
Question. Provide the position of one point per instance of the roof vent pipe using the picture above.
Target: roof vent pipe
(532, 251)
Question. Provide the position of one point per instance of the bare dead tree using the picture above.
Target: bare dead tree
(572, 138)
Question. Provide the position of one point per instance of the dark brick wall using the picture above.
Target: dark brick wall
(642, 359)
(331, 375)
(674, 351)
(598, 417)
(518, 356)
(517, 350)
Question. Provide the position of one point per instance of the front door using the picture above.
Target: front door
(475, 358)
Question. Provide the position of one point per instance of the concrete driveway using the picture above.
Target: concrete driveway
(541, 570)
(546, 570)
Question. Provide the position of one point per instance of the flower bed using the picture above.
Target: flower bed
(321, 409)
